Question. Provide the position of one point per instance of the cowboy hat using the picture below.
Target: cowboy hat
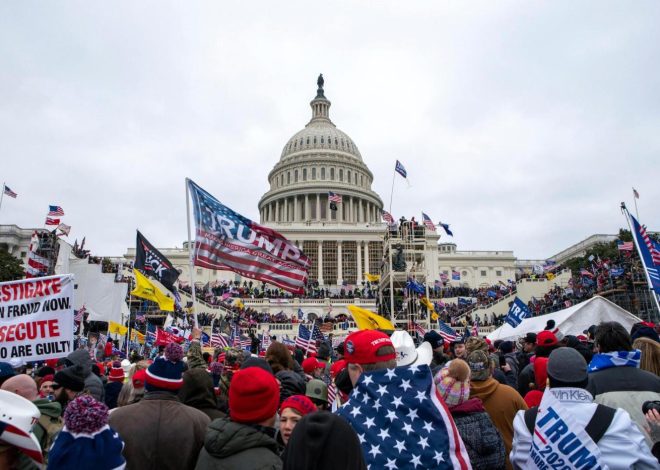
(16, 420)
(407, 354)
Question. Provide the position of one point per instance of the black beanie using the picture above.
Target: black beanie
(315, 441)
(71, 378)
(343, 381)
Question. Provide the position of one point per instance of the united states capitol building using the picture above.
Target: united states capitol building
(344, 241)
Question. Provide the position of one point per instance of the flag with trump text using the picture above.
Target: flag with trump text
(227, 240)
(402, 422)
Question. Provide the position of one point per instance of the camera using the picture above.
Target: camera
(651, 405)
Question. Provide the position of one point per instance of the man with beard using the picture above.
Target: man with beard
(68, 384)
(437, 343)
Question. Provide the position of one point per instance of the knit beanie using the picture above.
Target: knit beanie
(116, 372)
(71, 378)
(300, 403)
(453, 382)
(86, 441)
(541, 372)
(165, 374)
(253, 396)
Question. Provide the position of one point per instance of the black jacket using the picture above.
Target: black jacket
(235, 446)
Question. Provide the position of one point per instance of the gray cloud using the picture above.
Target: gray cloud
(522, 125)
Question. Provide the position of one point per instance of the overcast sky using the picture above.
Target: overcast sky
(523, 125)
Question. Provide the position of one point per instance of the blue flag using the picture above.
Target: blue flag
(517, 313)
(492, 294)
(401, 423)
(463, 301)
(400, 169)
(415, 286)
(616, 272)
(446, 228)
(649, 252)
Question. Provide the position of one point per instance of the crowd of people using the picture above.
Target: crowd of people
(372, 401)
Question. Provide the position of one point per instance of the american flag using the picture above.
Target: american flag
(428, 223)
(419, 329)
(624, 246)
(317, 334)
(655, 254)
(334, 197)
(50, 221)
(219, 341)
(446, 331)
(80, 314)
(9, 192)
(475, 327)
(55, 210)
(387, 217)
(332, 394)
(103, 338)
(402, 422)
(304, 339)
(228, 241)
(586, 272)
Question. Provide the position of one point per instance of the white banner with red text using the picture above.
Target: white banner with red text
(36, 318)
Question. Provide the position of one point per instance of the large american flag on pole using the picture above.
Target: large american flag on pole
(304, 339)
(227, 240)
(428, 223)
(218, 341)
(387, 217)
(402, 422)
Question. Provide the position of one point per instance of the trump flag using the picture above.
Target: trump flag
(227, 240)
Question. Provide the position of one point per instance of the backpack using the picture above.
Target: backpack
(595, 428)
(50, 427)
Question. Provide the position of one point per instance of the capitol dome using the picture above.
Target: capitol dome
(319, 160)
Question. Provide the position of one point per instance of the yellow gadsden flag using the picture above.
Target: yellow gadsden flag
(117, 328)
(136, 336)
(367, 320)
(146, 290)
(372, 277)
(429, 306)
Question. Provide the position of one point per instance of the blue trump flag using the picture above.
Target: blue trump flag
(401, 421)
(517, 313)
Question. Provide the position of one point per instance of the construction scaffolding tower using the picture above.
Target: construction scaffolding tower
(406, 248)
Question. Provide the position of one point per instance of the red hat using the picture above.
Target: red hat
(139, 378)
(116, 372)
(52, 363)
(253, 396)
(300, 403)
(546, 338)
(582, 339)
(361, 347)
(101, 367)
(47, 378)
(533, 398)
(310, 364)
(337, 367)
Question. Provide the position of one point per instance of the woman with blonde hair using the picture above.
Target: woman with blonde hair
(650, 354)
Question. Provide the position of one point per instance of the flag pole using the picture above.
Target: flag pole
(392, 191)
(190, 259)
(2, 196)
(639, 253)
(635, 201)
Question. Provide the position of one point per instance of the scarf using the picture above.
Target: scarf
(615, 359)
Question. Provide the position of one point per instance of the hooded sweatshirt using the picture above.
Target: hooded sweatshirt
(93, 383)
(197, 392)
(502, 403)
(235, 446)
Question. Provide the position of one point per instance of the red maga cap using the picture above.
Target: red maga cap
(361, 347)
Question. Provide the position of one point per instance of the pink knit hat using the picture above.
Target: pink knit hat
(453, 382)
